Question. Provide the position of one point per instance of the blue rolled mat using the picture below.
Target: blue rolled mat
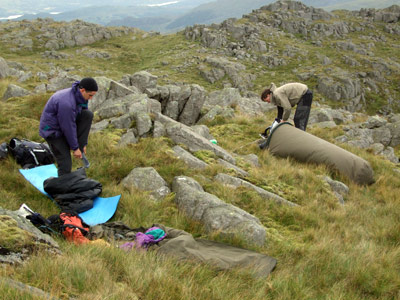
(103, 208)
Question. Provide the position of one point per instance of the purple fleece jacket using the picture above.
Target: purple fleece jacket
(59, 115)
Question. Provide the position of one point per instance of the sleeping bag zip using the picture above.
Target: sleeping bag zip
(286, 140)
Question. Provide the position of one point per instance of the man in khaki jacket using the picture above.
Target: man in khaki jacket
(287, 96)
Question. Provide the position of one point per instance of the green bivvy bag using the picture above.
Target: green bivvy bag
(286, 140)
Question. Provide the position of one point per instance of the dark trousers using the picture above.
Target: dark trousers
(60, 147)
(303, 111)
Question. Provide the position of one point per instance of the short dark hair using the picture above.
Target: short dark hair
(89, 84)
(265, 93)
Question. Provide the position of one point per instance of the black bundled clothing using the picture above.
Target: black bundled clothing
(73, 192)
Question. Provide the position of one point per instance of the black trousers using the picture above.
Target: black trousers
(302, 111)
(60, 147)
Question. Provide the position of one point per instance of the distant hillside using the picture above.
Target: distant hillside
(165, 18)
(216, 12)
(350, 4)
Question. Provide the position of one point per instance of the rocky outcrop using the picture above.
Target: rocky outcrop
(216, 68)
(254, 37)
(65, 34)
(387, 15)
(19, 238)
(231, 97)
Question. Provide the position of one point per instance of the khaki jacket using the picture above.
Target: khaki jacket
(287, 96)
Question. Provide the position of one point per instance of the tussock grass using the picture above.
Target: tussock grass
(324, 250)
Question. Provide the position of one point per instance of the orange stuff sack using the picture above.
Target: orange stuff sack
(74, 229)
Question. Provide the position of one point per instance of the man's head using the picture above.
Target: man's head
(88, 87)
(266, 95)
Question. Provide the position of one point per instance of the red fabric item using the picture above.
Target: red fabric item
(74, 230)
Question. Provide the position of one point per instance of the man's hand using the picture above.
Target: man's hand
(78, 153)
(84, 149)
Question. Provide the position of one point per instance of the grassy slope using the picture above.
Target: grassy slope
(324, 250)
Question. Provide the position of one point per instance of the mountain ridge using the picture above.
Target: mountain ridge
(176, 16)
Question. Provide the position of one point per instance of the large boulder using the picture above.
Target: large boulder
(147, 179)
(215, 214)
(143, 80)
(15, 91)
(191, 110)
(182, 134)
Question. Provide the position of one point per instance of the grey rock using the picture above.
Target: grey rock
(28, 239)
(25, 77)
(254, 106)
(143, 80)
(103, 84)
(118, 90)
(203, 131)
(113, 108)
(121, 122)
(381, 135)
(226, 112)
(233, 167)
(181, 133)
(390, 155)
(52, 54)
(158, 129)
(128, 138)
(235, 182)
(339, 188)
(224, 97)
(15, 91)
(252, 159)
(216, 215)
(61, 82)
(147, 179)
(374, 122)
(99, 126)
(4, 69)
(143, 123)
(40, 89)
(395, 132)
(188, 158)
(191, 110)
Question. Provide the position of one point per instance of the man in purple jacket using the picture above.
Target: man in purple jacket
(65, 122)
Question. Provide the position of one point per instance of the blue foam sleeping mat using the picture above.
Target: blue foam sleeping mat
(103, 208)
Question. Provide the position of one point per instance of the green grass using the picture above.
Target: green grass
(324, 250)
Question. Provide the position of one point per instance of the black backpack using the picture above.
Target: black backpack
(30, 154)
